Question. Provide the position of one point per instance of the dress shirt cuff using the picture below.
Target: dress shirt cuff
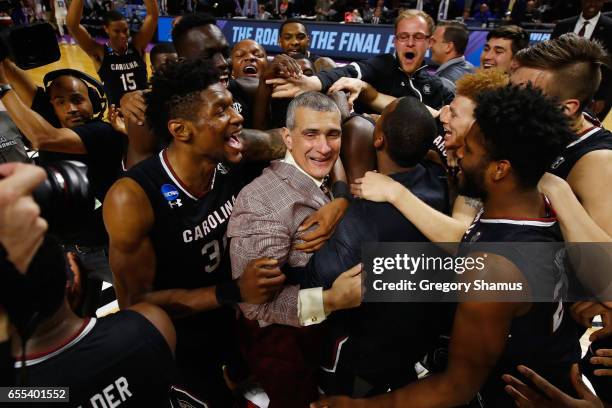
(310, 306)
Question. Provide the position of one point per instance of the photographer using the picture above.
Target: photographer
(82, 138)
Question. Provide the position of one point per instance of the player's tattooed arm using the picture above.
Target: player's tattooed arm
(473, 202)
(262, 145)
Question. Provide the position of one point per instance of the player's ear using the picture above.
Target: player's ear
(571, 107)
(501, 170)
(180, 129)
(379, 139)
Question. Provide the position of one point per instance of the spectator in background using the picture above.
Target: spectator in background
(380, 13)
(263, 14)
(448, 44)
(502, 44)
(248, 9)
(285, 9)
(532, 13)
(483, 14)
(322, 9)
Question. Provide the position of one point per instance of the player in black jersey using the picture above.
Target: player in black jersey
(123, 359)
(120, 62)
(517, 134)
(568, 68)
(167, 223)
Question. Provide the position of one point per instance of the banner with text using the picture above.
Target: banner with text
(338, 41)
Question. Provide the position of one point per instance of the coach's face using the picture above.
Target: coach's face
(215, 130)
(314, 142)
(206, 42)
(411, 43)
(70, 101)
(590, 8)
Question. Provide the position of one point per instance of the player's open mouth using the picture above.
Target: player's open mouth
(410, 56)
(233, 140)
(250, 70)
(487, 65)
(224, 79)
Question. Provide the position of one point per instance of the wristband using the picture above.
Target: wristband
(228, 293)
(341, 190)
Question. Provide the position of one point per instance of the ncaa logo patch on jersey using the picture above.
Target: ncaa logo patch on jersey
(557, 162)
(426, 89)
(171, 195)
(237, 106)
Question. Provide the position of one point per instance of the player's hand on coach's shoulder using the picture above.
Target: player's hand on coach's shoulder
(547, 395)
(261, 281)
(346, 291)
(326, 218)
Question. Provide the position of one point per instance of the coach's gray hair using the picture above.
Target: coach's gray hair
(311, 100)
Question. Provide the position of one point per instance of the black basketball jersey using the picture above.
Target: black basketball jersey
(121, 359)
(189, 239)
(545, 338)
(595, 138)
(121, 73)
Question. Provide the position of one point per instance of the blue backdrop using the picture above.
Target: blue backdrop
(338, 41)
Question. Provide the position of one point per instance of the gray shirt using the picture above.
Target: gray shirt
(455, 68)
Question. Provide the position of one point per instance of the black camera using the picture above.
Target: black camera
(65, 197)
(29, 46)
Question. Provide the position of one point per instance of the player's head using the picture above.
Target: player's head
(70, 99)
(501, 46)
(448, 41)
(248, 59)
(293, 37)
(405, 145)
(162, 53)
(305, 64)
(197, 36)
(517, 134)
(189, 107)
(313, 133)
(459, 116)
(43, 288)
(413, 28)
(117, 29)
(567, 68)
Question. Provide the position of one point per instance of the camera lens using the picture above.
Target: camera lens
(65, 198)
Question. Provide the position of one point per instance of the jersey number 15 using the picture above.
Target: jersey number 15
(129, 84)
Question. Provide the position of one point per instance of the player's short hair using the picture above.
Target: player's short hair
(311, 100)
(291, 21)
(518, 36)
(412, 13)
(457, 33)
(176, 93)
(112, 16)
(523, 126)
(407, 145)
(471, 85)
(189, 21)
(162, 48)
(574, 61)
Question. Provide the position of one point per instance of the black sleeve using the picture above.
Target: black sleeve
(104, 154)
(41, 104)
(341, 252)
(369, 71)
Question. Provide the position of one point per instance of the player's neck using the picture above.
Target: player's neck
(515, 204)
(387, 166)
(51, 332)
(193, 170)
(580, 124)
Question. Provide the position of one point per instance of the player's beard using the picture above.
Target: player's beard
(471, 181)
